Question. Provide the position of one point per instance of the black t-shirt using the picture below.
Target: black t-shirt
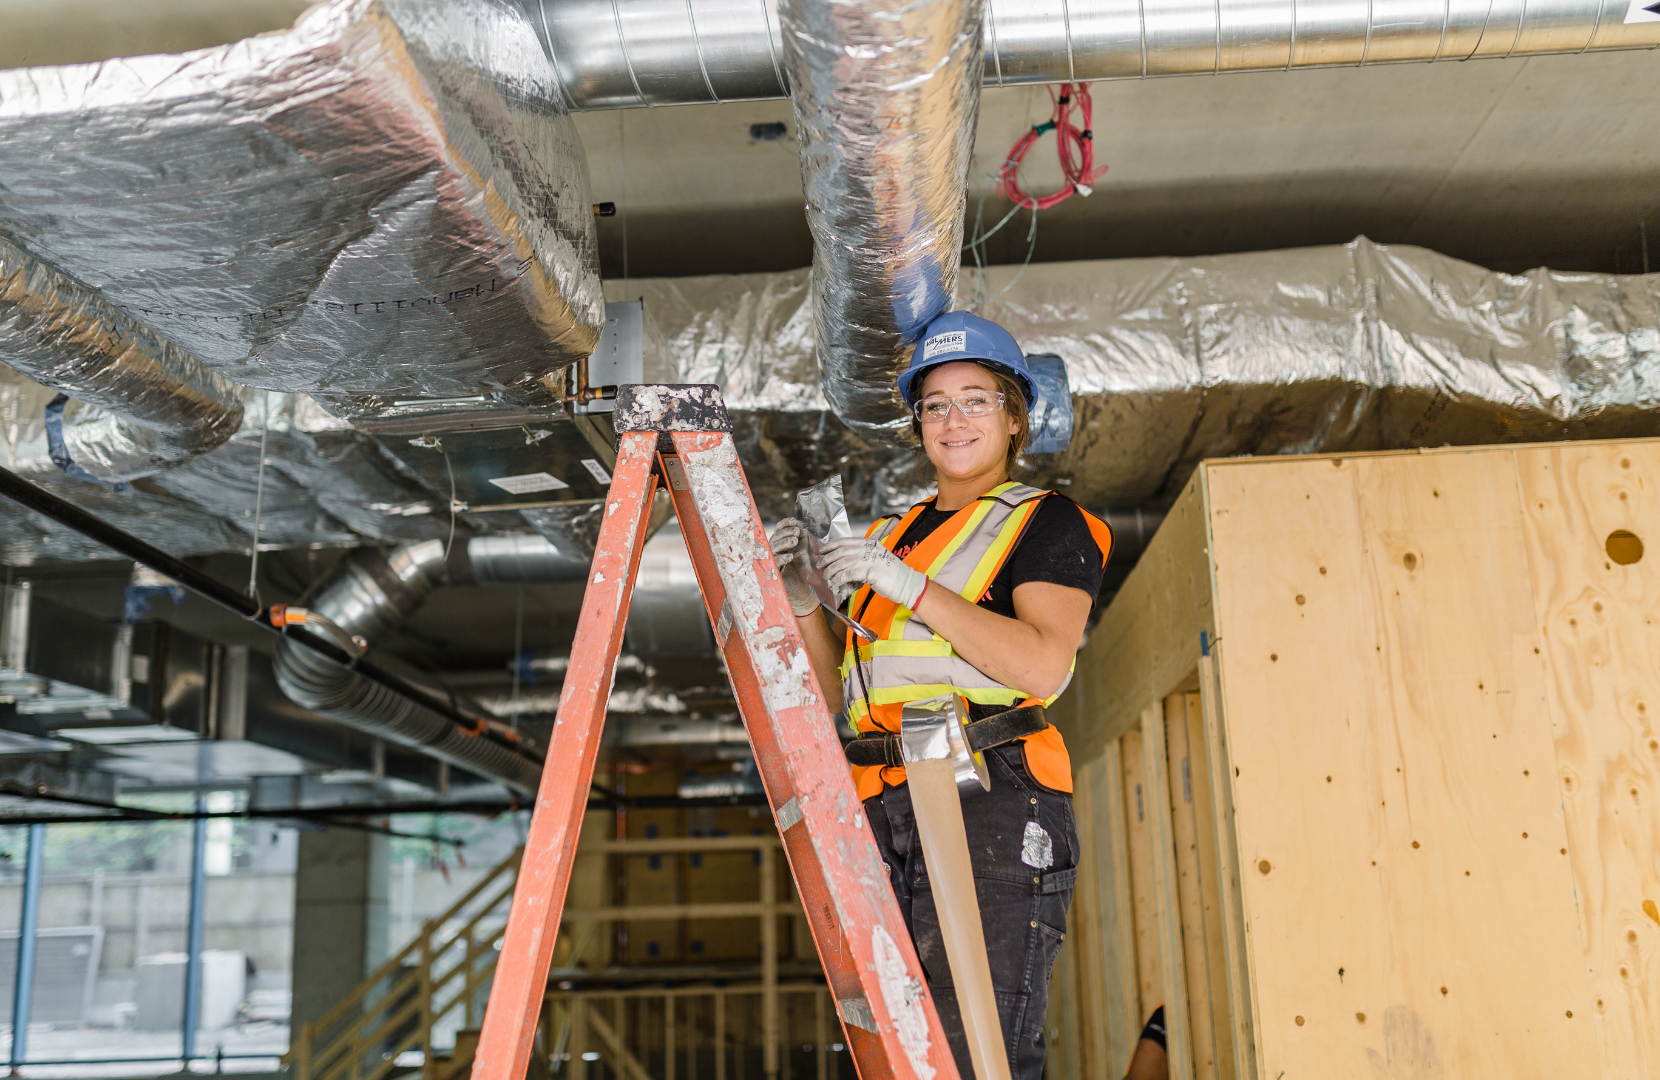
(1056, 547)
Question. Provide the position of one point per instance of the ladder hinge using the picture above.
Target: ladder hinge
(676, 473)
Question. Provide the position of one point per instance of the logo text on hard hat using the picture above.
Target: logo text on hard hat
(954, 341)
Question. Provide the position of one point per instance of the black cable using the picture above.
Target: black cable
(209, 588)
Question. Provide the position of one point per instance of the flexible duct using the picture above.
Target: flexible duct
(142, 404)
(385, 205)
(886, 99)
(369, 595)
(613, 54)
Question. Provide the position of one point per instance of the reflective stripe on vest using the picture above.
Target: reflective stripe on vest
(908, 661)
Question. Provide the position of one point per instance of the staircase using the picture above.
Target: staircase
(713, 1024)
(384, 1027)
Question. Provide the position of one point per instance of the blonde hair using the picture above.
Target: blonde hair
(1014, 403)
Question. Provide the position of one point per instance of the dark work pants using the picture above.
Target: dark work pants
(1022, 906)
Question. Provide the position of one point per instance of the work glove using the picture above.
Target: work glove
(785, 541)
(859, 561)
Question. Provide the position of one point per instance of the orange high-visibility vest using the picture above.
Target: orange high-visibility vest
(908, 661)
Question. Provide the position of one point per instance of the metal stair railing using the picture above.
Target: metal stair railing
(395, 1009)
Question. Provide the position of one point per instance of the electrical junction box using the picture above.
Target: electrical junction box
(620, 357)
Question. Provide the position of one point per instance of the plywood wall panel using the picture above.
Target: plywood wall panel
(1601, 628)
(1383, 701)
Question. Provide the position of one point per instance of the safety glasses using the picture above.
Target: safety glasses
(933, 410)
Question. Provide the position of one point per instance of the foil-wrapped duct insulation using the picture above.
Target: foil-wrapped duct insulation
(572, 528)
(324, 484)
(153, 405)
(1340, 348)
(369, 595)
(388, 202)
(887, 96)
(613, 54)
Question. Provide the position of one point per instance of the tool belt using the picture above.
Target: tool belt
(882, 747)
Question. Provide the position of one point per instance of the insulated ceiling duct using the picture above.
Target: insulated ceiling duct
(613, 54)
(141, 405)
(1340, 348)
(386, 204)
(324, 483)
(887, 95)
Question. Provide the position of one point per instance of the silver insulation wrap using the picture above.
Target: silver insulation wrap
(887, 96)
(387, 202)
(152, 405)
(1342, 348)
(369, 595)
(324, 483)
(614, 54)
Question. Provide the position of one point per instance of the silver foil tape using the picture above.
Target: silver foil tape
(168, 408)
(886, 95)
(387, 202)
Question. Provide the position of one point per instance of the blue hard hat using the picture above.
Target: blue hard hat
(959, 335)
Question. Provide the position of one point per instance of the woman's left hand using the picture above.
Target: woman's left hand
(857, 561)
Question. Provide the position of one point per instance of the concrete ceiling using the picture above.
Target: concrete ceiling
(1507, 163)
(1510, 164)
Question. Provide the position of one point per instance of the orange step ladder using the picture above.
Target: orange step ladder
(682, 434)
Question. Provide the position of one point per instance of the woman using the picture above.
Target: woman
(984, 589)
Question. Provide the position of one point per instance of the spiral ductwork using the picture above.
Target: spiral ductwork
(618, 54)
(369, 595)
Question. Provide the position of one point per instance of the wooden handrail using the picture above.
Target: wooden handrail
(322, 1062)
(342, 1057)
(428, 928)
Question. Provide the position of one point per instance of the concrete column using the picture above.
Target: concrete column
(340, 916)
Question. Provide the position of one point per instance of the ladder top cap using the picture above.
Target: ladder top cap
(670, 407)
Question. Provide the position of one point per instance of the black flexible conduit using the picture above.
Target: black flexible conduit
(123, 543)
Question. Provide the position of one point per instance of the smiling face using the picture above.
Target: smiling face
(965, 448)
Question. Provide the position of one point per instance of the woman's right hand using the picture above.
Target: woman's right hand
(785, 542)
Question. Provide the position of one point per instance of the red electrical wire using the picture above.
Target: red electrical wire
(1073, 144)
